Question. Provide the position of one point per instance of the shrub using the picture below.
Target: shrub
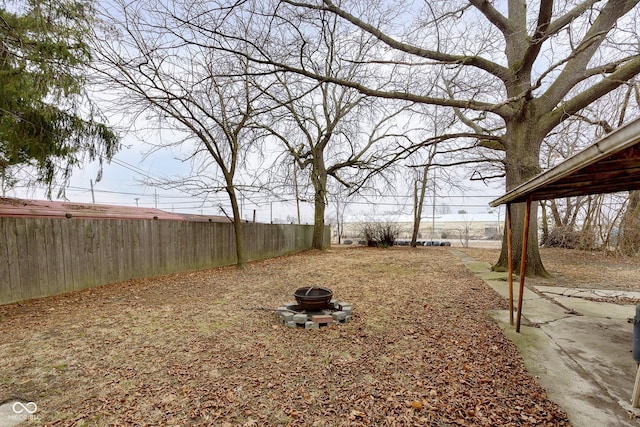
(562, 237)
(380, 234)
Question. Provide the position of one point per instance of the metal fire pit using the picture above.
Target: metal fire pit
(313, 298)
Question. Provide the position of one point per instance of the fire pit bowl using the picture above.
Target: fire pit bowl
(313, 298)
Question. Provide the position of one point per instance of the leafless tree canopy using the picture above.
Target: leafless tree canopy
(511, 72)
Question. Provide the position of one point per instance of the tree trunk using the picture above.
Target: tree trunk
(545, 223)
(418, 204)
(522, 145)
(237, 228)
(557, 221)
(534, 261)
(319, 181)
(318, 222)
(630, 233)
(587, 233)
(339, 223)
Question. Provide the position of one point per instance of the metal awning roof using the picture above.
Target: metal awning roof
(609, 165)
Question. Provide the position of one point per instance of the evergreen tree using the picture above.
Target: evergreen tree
(43, 58)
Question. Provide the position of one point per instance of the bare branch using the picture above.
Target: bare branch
(586, 97)
(496, 18)
(564, 20)
(490, 67)
(539, 36)
(574, 69)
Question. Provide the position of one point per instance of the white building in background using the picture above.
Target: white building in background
(453, 227)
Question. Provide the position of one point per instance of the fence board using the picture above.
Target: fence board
(22, 255)
(106, 256)
(127, 243)
(5, 285)
(52, 248)
(118, 249)
(74, 263)
(38, 236)
(66, 256)
(11, 267)
(96, 250)
(83, 256)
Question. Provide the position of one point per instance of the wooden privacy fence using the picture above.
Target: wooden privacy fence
(50, 256)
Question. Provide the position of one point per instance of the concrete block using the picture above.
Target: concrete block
(346, 308)
(286, 316)
(339, 316)
(300, 318)
(322, 318)
(347, 319)
(291, 324)
(313, 313)
(311, 325)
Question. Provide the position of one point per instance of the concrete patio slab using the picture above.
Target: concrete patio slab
(578, 348)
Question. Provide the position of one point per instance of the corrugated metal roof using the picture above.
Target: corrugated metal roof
(610, 165)
(55, 209)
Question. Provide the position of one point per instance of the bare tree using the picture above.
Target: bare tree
(423, 161)
(419, 193)
(161, 66)
(340, 199)
(599, 118)
(463, 232)
(630, 227)
(329, 130)
(512, 70)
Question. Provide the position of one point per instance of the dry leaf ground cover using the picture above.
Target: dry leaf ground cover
(578, 269)
(198, 349)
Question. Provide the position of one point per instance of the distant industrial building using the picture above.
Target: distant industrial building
(472, 226)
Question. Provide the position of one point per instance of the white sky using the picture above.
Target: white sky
(123, 184)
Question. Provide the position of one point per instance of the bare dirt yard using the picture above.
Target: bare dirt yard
(203, 348)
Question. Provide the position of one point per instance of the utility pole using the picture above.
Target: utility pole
(136, 199)
(155, 198)
(93, 198)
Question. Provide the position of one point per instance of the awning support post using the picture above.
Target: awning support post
(510, 263)
(523, 260)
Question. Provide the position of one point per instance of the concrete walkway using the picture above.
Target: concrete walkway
(579, 350)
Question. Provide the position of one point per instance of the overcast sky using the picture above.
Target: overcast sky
(123, 183)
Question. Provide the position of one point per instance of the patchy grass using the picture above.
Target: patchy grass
(197, 349)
